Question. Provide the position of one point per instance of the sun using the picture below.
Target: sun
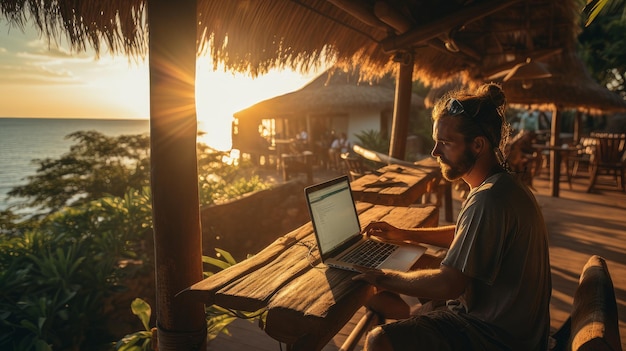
(220, 94)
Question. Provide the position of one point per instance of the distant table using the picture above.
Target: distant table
(430, 163)
(394, 185)
(403, 185)
(306, 303)
(558, 154)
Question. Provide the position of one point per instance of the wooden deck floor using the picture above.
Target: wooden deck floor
(580, 225)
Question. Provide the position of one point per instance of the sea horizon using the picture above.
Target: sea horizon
(24, 139)
(89, 118)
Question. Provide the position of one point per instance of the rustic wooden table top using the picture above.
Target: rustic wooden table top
(306, 303)
(394, 185)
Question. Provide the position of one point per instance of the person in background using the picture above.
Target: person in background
(339, 146)
(495, 277)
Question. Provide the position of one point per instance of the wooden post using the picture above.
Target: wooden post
(555, 156)
(577, 127)
(402, 106)
(181, 325)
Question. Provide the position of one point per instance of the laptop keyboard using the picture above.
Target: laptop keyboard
(370, 253)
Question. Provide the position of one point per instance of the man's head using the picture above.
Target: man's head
(468, 126)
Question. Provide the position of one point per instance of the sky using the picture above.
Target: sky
(41, 79)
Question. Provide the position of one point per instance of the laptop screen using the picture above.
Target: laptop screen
(333, 213)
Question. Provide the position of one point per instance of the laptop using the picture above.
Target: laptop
(338, 231)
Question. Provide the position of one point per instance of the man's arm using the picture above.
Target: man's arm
(438, 236)
(443, 283)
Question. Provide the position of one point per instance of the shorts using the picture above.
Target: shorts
(444, 330)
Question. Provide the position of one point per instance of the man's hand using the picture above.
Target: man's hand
(380, 229)
(369, 275)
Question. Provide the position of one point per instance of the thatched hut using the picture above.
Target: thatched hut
(336, 101)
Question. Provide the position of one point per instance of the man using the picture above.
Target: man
(496, 273)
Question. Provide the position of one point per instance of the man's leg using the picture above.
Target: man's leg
(376, 340)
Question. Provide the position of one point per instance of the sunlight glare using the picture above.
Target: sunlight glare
(220, 94)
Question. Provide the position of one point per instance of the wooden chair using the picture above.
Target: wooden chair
(521, 156)
(355, 166)
(586, 148)
(293, 164)
(608, 159)
(593, 322)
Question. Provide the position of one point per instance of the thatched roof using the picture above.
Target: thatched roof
(332, 92)
(484, 37)
(570, 87)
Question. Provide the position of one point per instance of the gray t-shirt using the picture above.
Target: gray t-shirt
(501, 243)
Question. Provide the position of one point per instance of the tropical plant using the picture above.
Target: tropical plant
(373, 140)
(603, 48)
(141, 340)
(593, 8)
(218, 180)
(95, 166)
(56, 272)
(218, 318)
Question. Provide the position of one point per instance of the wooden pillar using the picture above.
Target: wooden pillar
(402, 106)
(555, 156)
(181, 324)
(577, 126)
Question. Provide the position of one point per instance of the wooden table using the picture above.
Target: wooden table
(394, 185)
(305, 302)
(557, 155)
(402, 185)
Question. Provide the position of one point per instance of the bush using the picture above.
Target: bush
(56, 274)
(57, 269)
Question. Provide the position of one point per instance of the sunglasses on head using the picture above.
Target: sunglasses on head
(455, 108)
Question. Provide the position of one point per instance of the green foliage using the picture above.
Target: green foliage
(593, 8)
(141, 340)
(52, 290)
(57, 269)
(373, 140)
(603, 48)
(95, 166)
(218, 318)
(56, 273)
(218, 181)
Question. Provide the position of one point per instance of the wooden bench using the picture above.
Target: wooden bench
(593, 323)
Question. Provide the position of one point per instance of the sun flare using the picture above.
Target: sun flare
(220, 94)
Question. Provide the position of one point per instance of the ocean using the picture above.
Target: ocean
(25, 139)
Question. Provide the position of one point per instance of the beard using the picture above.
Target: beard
(455, 170)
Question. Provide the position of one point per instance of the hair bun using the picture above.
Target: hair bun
(494, 92)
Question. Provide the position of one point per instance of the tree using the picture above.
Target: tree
(603, 48)
(95, 166)
(596, 7)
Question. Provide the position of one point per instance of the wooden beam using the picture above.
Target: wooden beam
(402, 106)
(555, 155)
(433, 29)
(391, 17)
(469, 54)
(356, 9)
